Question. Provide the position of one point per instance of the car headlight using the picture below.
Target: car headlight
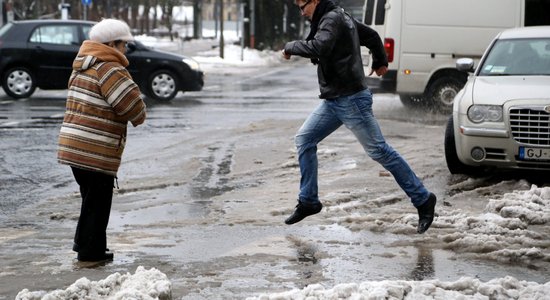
(485, 113)
(192, 64)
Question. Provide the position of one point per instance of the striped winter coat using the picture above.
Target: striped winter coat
(102, 99)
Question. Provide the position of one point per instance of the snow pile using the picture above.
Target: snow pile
(464, 288)
(143, 285)
(531, 207)
(506, 232)
(512, 228)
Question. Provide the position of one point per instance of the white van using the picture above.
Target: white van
(424, 38)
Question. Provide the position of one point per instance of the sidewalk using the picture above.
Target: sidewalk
(185, 47)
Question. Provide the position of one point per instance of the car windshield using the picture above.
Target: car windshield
(518, 57)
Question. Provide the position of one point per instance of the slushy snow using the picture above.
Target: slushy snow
(501, 232)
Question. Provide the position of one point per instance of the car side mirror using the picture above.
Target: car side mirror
(465, 65)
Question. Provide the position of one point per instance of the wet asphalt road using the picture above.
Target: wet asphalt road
(30, 175)
(29, 127)
(204, 258)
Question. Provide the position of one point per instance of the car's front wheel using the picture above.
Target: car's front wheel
(18, 83)
(162, 85)
(454, 164)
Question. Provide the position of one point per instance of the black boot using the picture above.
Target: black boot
(426, 214)
(97, 257)
(302, 211)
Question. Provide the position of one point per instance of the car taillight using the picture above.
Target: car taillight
(389, 45)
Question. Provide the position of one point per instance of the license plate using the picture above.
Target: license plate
(526, 153)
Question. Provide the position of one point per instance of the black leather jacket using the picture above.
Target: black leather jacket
(336, 45)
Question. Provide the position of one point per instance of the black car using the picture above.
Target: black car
(40, 53)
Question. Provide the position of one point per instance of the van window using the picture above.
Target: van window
(460, 14)
(380, 12)
(369, 12)
(536, 12)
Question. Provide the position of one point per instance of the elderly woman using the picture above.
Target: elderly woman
(102, 99)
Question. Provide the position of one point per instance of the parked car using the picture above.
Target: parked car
(39, 53)
(501, 118)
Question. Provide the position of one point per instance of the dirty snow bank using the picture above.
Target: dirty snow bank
(509, 230)
(143, 285)
(512, 228)
(464, 288)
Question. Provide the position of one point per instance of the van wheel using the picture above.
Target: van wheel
(442, 92)
(454, 164)
(18, 83)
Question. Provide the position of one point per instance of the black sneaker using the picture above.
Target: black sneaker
(302, 211)
(106, 256)
(426, 214)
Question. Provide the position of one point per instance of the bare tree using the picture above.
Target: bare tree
(167, 9)
(197, 19)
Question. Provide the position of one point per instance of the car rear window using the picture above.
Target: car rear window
(86, 30)
(55, 34)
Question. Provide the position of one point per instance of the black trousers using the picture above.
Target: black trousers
(96, 190)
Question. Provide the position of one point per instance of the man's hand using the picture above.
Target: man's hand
(380, 71)
(286, 55)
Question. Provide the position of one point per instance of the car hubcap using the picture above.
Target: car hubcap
(163, 85)
(19, 82)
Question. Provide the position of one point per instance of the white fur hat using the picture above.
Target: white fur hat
(109, 30)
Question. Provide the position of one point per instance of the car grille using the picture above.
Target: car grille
(530, 126)
(495, 154)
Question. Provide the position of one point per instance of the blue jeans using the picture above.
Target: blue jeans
(354, 111)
